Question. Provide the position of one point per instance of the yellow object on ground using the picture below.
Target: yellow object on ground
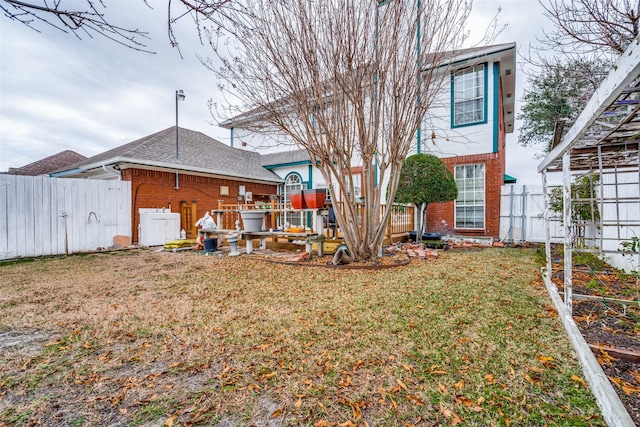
(175, 244)
(329, 247)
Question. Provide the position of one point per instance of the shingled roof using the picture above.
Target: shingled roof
(505, 53)
(197, 152)
(285, 157)
(48, 164)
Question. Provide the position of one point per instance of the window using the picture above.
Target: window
(357, 186)
(356, 174)
(292, 183)
(470, 201)
(468, 93)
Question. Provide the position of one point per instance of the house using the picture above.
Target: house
(48, 164)
(189, 175)
(467, 129)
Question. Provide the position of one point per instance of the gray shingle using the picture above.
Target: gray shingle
(48, 164)
(285, 157)
(196, 150)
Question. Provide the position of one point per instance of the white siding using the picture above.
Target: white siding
(459, 141)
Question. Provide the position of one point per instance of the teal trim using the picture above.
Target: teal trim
(282, 165)
(293, 173)
(418, 67)
(452, 95)
(231, 137)
(65, 173)
(462, 61)
(508, 179)
(496, 112)
(486, 93)
(309, 186)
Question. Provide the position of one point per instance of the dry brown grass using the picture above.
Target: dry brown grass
(143, 337)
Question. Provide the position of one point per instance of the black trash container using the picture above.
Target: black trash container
(210, 245)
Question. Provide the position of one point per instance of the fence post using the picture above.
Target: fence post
(523, 238)
(511, 219)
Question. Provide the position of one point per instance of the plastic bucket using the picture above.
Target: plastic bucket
(252, 220)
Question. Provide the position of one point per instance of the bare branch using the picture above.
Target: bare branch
(349, 81)
(91, 20)
(587, 26)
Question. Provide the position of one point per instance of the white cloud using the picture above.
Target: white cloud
(90, 95)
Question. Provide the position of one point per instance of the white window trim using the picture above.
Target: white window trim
(483, 71)
(484, 201)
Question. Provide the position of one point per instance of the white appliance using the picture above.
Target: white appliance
(157, 226)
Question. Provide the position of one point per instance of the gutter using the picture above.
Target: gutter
(170, 166)
(62, 174)
(112, 171)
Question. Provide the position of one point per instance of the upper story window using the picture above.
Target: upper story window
(469, 96)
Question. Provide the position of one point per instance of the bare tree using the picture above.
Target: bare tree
(347, 80)
(90, 19)
(592, 26)
(571, 60)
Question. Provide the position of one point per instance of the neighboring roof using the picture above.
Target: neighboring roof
(504, 53)
(197, 153)
(284, 158)
(607, 132)
(48, 164)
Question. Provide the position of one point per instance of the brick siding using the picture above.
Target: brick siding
(156, 189)
(494, 178)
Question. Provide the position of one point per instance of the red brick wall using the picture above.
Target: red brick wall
(494, 178)
(156, 189)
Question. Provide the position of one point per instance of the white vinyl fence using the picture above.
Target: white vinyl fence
(52, 216)
(522, 215)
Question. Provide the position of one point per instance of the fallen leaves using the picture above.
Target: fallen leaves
(450, 415)
(469, 403)
(627, 388)
(402, 385)
(436, 370)
(312, 343)
(578, 379)
(172, 419)
(489, 378)
(547, 361)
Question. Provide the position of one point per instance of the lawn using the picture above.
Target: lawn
(147, 338)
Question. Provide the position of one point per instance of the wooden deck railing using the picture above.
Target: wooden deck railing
(277, 215)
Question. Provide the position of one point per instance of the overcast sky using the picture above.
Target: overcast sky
(60, 93)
